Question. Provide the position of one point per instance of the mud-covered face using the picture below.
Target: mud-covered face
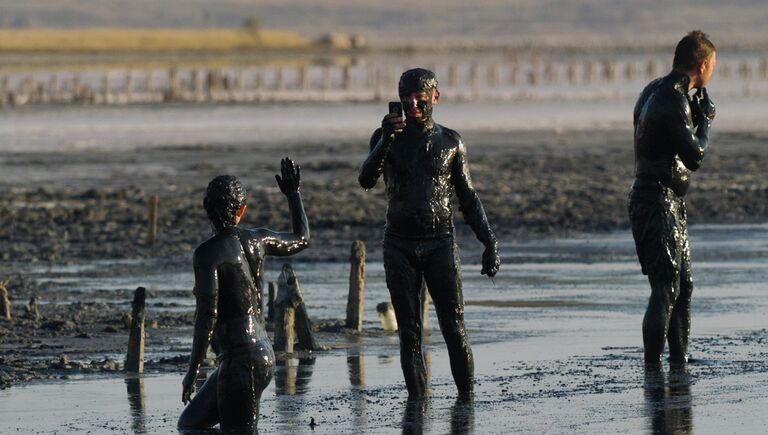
(418, 105)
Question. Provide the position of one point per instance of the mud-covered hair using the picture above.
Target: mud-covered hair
(416, 80)
(694, 48)
(223, 198)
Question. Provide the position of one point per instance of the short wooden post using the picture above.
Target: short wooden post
(152, 219)
(285, 315)
(356, 286)
(128, 86)
(326, 83)
(5, 302)
(134, 361)
(302, 78)
(346, 77)
(105, 88)
(452, 76)
(650, 69)
(387, 316)
(571, 73)
(32, 310)
(279, 80)
(271, 302)
(291, 315)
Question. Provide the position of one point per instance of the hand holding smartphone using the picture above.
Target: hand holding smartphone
(394, 121)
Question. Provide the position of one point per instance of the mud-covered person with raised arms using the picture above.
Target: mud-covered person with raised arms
(228, 286)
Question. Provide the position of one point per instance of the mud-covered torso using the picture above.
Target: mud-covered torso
(418, 175)
(238, 259)
(657, 163)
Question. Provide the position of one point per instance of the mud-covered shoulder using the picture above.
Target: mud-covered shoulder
(452, 136)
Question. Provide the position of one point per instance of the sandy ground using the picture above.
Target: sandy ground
(75, 215)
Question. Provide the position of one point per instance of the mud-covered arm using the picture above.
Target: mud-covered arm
(473, 211)
(690, 142)
(282, 244)
(373, 166)
(206, 295)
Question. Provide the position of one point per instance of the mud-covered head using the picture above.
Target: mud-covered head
(418, 93)
(224, 198)
(696, 55)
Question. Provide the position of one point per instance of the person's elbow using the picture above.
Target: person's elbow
(366, 182)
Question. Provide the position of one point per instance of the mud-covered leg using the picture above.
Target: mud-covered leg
(242, 378)
(680, 321)
(664, 292)
(404, 284)
(202, 412)
(443, 277)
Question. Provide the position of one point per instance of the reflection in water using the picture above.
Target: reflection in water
(463, 416)
(356, 368)
(413, 416)
(291, 380)
(668, 401)
(135, 385)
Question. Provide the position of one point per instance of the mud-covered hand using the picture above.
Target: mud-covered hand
(188, 385)
(491, 262)
(703, 106)
(391, 124)
(290, 180)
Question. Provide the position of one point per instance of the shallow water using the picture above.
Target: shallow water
(568, 360)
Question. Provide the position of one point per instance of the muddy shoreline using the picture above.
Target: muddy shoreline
(86, 206)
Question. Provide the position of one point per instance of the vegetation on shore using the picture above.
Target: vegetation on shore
(112, 40)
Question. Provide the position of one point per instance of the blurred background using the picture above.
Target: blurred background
(142, 51)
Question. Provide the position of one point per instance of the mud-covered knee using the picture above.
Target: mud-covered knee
(410, 340)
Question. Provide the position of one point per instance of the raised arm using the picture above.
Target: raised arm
(206, 294)
(373, 166)
(282, 244)
(691, 143)
(473, 211)
(379, 145)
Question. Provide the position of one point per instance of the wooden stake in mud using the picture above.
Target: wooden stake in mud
(291, 315)
(387, 316)
(356, 286)
(5, 303)
(32, 310)
(134, 361)
(152, 219)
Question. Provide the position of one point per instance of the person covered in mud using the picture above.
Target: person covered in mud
(671, 137)
(423, 163)
(228, 283)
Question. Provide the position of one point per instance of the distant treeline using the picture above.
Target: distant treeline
(111, 40)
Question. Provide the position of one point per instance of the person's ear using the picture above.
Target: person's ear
(241, 212)
(435, 96)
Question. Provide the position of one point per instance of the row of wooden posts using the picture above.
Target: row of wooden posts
(199, 85)
(287, 311)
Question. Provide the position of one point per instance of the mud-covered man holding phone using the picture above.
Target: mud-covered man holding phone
(671, 137)
(423, 164)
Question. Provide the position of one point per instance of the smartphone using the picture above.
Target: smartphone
(396, 107)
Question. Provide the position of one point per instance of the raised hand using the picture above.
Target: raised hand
(491, 262)
(291, 176)
(391, 124)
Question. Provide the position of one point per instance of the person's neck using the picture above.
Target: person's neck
(420, 126)
(691, 78)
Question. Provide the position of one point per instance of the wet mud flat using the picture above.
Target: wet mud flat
(556, 339)
(74, 235)
(92, 203)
